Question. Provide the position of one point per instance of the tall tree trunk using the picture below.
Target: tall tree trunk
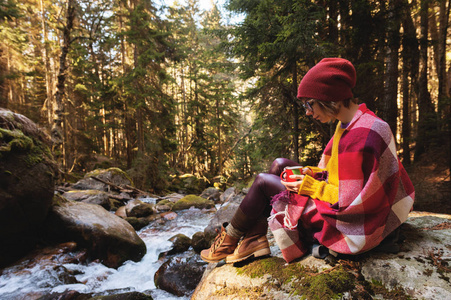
(57, 132)
(424, 101)
(295, 112)
(410, 68)
(3, 81)
(405, 112)
(184, 119)
(441, 68)
(48, 72)
(390, 107)
(444, 87)
(127, 142)
(218, 130)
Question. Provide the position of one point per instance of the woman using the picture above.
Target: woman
(357, 195)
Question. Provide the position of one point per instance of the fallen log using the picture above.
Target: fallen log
(126, 189)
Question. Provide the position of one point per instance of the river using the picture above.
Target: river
(22, 282)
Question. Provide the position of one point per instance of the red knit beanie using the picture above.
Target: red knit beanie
(329, 80)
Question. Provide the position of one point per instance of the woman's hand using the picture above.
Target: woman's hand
(294, 186)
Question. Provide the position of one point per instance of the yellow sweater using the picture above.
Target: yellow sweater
(322, 190)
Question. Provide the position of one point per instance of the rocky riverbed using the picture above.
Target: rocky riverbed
(101, 238)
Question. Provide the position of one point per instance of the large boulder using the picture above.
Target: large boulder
(115, 176)
(89, 196)
(106, 236)
(180, 275)
(27, 175)
(421, 270)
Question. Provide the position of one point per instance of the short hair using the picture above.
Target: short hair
(332, 108)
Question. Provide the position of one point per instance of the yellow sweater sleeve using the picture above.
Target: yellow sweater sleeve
(319, 190)
(315, 169)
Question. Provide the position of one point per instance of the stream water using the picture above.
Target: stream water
(25, 280)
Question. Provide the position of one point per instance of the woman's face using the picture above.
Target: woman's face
(313, 109)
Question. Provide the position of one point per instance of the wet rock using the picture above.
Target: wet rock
(27, 176)
(106, 236)
(112, 175)
(180, 243)
(160, 208)
(124, 296)
(169, 215)
(68, 295)
(199, 242)
(193, 201)
(137, 223)
(52, 256)
(74, 295)
(180, 275)
(137, 208)
(121, 212)
(211, 193)
(89, 196)
(64, 276)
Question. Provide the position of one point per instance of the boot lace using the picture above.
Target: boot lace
(218, 240)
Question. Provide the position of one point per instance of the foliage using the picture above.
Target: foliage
(171, 90)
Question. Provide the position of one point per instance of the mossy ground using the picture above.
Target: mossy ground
(396, 294)
(307, 283)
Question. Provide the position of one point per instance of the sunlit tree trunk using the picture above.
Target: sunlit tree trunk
(57, 131)
(48, 72)
(410, 68)
(218, 132)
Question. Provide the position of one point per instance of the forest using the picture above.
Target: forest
(163, 89)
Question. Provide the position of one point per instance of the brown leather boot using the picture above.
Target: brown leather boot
(255, 243)
(223, 245)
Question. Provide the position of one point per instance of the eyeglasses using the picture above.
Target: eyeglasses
(308, 105)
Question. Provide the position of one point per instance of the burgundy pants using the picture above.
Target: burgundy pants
(256, 203)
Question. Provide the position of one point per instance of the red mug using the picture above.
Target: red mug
(296, 170)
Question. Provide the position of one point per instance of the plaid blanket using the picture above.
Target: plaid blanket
(375, 196)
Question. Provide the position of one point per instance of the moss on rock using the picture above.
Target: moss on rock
(167, 202)
(303, 281)
(14, 140)
(192, 200)
(31, 150)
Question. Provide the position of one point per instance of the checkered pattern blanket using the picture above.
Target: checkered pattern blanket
(375, 196)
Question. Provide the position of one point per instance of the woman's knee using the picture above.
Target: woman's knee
(269, 184)
(279, 164)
